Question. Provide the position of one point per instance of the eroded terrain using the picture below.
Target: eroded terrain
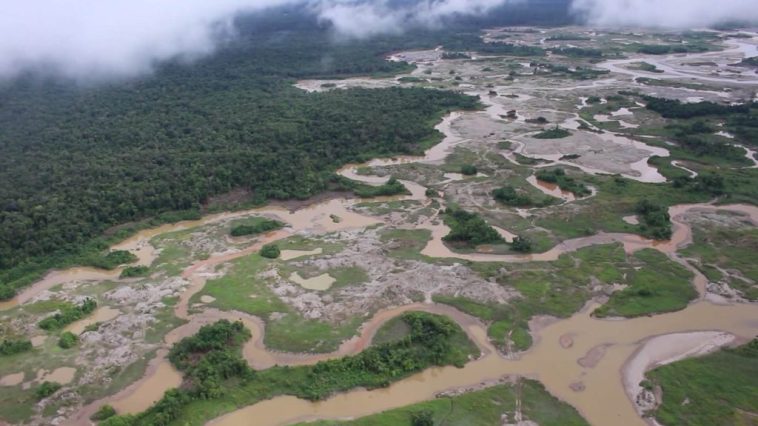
(592, 304)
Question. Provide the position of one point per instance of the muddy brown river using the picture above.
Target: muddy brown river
(603, 346)
(603, 400)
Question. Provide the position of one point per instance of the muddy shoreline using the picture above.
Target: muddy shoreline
(317, 217)
(592, 364)
(656, 351)
(260, 357)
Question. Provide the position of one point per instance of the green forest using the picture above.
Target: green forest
(78, 161)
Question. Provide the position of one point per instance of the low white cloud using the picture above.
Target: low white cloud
(675, 14)
(364, 19)
(111, 38)
(97, 39)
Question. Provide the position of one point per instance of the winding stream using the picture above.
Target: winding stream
(558, 369)
(603, 402)
(739, 50)
(553, 359)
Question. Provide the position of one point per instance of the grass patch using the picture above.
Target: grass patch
(120, 377)
(293, 333)
(243, 290)
(349, 275)
(298, 242)
(406, 243)
(46, 306)
(669, 83)
(512, 197)
(717, 389)
(392, 331)
(253, 226)
(646, 66)
(135, 271)
(563, 287)
(173, 256)
(392, 187)
(504, 321)
(240, 289)
(616, 197)
(16, 404)
(383, 208)
(731, 249)
(661, 285)
(68, 315)
(491, 406)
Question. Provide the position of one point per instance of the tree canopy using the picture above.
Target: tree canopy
(78, 161)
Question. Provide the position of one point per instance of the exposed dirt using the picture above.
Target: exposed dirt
(515, 93)
(392, 282)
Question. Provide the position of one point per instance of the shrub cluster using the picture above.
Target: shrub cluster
(135, 271)
(256, 228)
(67, 315)
(469, 228)
(554, 133)
(566, 183)
(655, 220)
(67, 340)
(12, 347)
(46, 389)
(510, 197)
(270, 251)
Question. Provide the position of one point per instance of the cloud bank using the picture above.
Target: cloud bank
(111, 38)
(364, 19)
(674, 14)
(102, 39)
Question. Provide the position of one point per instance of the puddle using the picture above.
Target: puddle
(38, 340)
(14, 379)
(622, 112)
(294, 254)
(507, 235)
(55, 278)
(103, 314)
(457, 177)
(62, 375)
(320, 283)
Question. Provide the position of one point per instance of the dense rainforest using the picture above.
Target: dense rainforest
(79, 159)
